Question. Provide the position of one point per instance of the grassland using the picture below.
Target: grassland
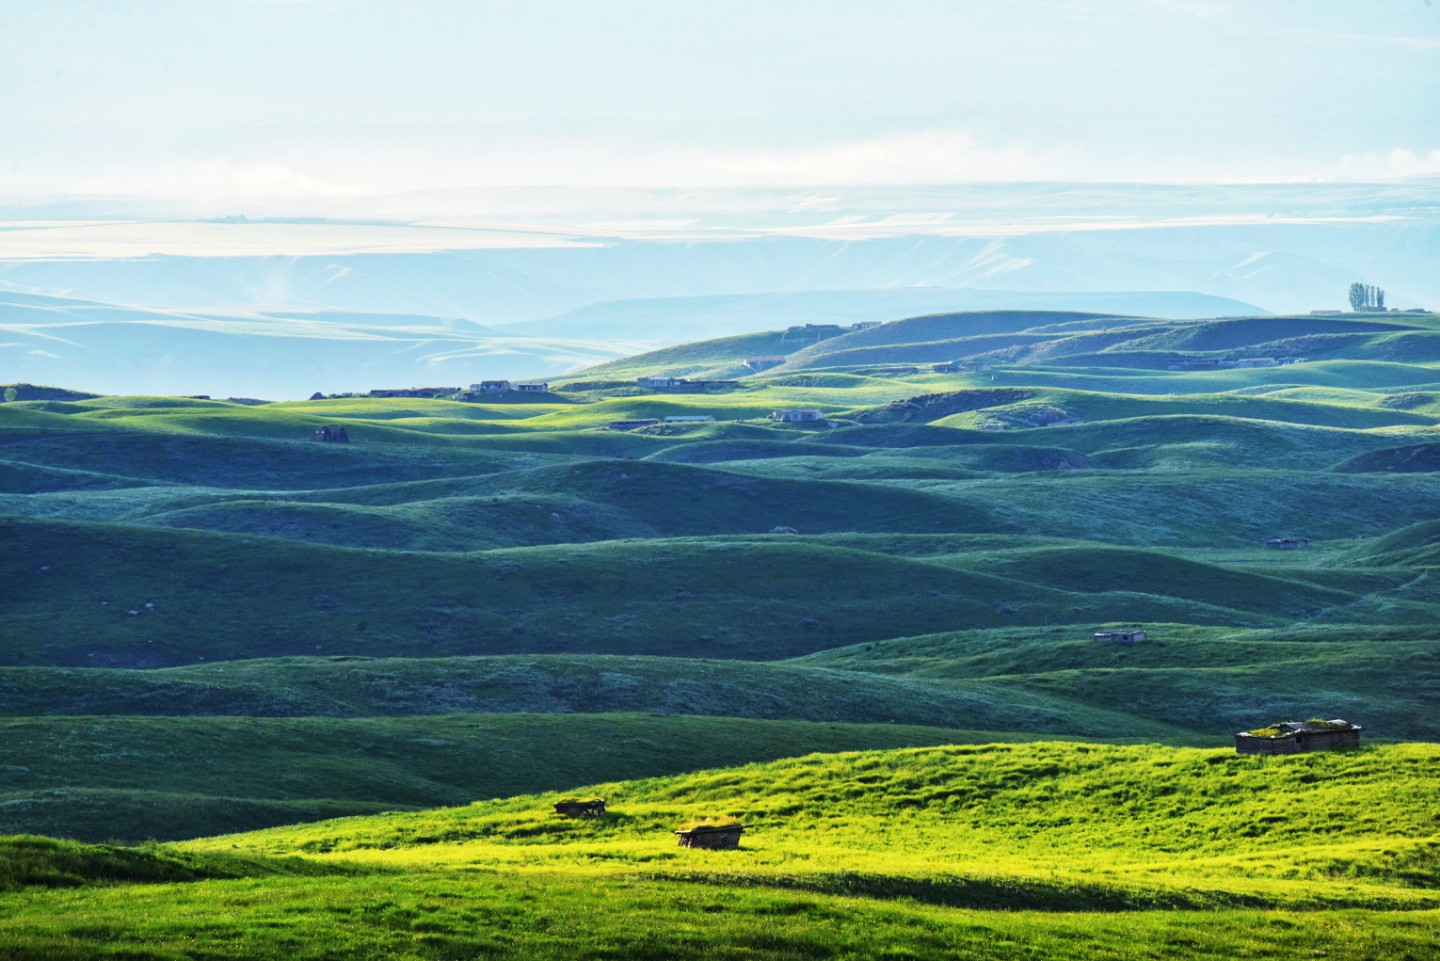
(1043, 849)
(213, 624)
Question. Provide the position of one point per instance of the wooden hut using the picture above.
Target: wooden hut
(723, 836)
(1296, 737)
(1132, 635)
(580, 807)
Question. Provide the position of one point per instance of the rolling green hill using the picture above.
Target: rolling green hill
(958, 538)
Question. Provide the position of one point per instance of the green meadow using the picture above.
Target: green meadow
(263, 696)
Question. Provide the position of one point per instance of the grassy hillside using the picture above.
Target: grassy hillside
(510, 565)
(1042, 850)
(223, 774)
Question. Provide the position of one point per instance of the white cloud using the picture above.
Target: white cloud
(215, 180)
(1397, 163)
(927, 156)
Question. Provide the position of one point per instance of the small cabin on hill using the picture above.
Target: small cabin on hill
(569, 807)
(331, 434)
(951, 368)
(796, 416)
(765, 362)
(537, 387)
(723, 838)
(632, 424)
(490, 387)
(1295, 737)
(865, 324)
(658, 383)
(1286, 543)
(1133, 635)
(689, 419)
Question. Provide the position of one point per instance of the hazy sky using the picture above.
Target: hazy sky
(214, 99)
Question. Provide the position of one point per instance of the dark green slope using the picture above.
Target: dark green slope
(1212, 681)
(136, 457)
(178, 777)
(1417, 545)
(1411, 459)
(555, 684)
(576, 503)
(222, 597)
(1207, 508)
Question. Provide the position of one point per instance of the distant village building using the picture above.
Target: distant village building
(796, 416)
(331, 435)
(661, 383)
(632, 424)
(1129, 636)
(1286, 543)
(812, 328)
(951, 368)
(689, 419)
(1246, 362)
(490, 387)
(866, 324)
(1295, 737)
(1325, 313)
(765, 362)
(537, 387)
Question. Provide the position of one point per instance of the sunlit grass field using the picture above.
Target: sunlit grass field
(1054, 850)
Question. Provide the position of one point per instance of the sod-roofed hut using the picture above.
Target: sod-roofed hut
(575, 807)
(1295, 737)
(715, 834)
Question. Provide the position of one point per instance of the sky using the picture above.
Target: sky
(220, 100)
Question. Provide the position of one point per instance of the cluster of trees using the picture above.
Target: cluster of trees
(1363, 297)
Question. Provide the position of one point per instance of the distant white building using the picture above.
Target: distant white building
(796, 416)
(539, 387)
(689, 419)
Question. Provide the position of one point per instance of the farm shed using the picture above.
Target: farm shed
(796, 416)
(1129, 636)
(1295, 737)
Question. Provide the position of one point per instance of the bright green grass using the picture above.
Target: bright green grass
(997, 851)
(429, 916)
(1169, 816)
